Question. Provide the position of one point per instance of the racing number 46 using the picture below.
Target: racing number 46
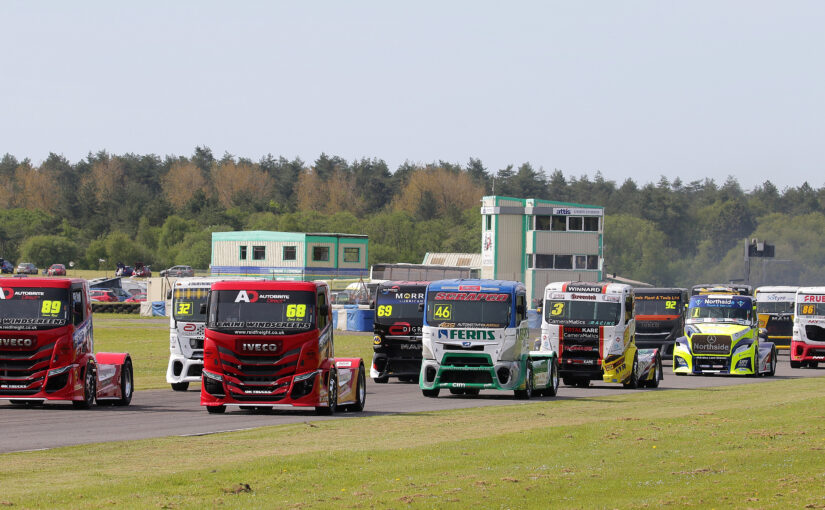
(442, 311)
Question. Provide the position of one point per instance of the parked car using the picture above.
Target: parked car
(106, 295)
(123, 270)
(179, 271)
(57, 270)
(141, 270)
(6, 267)
(137, 298)
(121, 294)
(26, 268)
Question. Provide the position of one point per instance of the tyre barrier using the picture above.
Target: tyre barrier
(353, 319)
(102, 307)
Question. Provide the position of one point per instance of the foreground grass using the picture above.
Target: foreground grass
(147, 341)
(757, 446)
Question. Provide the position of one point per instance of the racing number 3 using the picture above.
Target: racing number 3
(385, 310)
(558, 309)
(443, 312)
(296, 312)
(50, 307)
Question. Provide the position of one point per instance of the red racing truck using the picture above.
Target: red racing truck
(47, 346)
(270, 343)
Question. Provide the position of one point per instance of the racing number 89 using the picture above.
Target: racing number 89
(296, 312)
(385, 310)
(443, 312)
(50, 307)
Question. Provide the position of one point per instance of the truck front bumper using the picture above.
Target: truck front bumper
(181, 369)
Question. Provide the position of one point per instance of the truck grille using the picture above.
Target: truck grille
(815, 333)
(466, 376)
(23, 372)
(712, 363)
(251, 377)
(711, 344)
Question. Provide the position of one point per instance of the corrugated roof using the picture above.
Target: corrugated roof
(472, 260)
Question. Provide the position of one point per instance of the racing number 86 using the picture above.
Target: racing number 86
(296, 312)
(807, 310)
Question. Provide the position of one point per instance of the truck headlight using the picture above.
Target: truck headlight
(58, 371)
(743, 346)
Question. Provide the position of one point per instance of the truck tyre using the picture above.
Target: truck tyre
(89, 388)
(332, 396)
(527, 392)
(127, 384)
(657, 374)
(796, 364)
(582, 382)
(360, 392)
(632, 382)
(471, 391)
(216, 409)
(431, 393)
(381, 380)
(408, 378)
(180, 386)
(772, 371)
(553, 389)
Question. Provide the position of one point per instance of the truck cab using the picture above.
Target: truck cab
(660, 317)
(47, 346)
(808, 342)
(397, 331)
(774, 308)
(270, 343)
(186, 331)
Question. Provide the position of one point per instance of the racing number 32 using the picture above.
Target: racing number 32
(184, 308)
(443, 312)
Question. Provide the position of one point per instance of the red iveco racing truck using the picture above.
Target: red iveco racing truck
(270, 343)
(47, 346)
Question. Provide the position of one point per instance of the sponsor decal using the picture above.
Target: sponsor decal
(259, 346)
(808, 299)
(466, 334)
(190, 327)
(16, 342)
(591, 289)
(245, 296)
(470, 296)
(343, 364)
(7, 293)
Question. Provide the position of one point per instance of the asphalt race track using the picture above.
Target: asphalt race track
(160, 413)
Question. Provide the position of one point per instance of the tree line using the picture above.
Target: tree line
(162, 211)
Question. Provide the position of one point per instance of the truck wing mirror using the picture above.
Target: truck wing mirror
(169, 294)
(420, 307)
(372, 305)
(203, 309)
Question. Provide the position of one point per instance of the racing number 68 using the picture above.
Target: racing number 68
(296, 312)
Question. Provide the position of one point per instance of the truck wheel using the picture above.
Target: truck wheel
(527, 392)
(381, 380)
(796, 364)
(657, 374)
(632, 382)
(332, 396)
(127, 384)
(180, 386)
(553, 389)
(360, 392)
(582, 382)
(772, 371)
(216, 409)
(471, 391)
(570, 381)
(431, 393)
(89, 388)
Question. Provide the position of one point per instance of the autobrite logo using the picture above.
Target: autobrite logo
(6, 293)
(246, 296)
(466, 334)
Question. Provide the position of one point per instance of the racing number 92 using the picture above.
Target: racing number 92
(296, 312)
(443, 312)
(670, 305)
(384, 311)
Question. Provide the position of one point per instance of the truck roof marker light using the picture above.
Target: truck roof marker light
(470, 288)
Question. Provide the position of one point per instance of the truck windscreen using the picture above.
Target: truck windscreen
(720, 309)
(817, 309)
(582, 313)
(399, 304)
(186, 304)
(33, 308)
(658, 305)
(774, 307)
(261, 312)
(468, 309)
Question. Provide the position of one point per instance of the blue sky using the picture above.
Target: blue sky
(633, 89)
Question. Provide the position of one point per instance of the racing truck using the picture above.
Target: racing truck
(808, 336)
(47, 347)
(721, 288)
(591, 326)
(722, 336)
(774, 308)
(269, 344)
(475, 337)
(660, 317)
(397, 331)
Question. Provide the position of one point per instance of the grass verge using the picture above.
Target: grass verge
(147, 341)
(755, 446)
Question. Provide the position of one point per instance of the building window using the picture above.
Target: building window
(544, 261)
(591, 223)
(488, 222)
(352, 254)
(290, 253)
(581, 261)
(320, 253)
(574, 223)
(592, 262)
(258, 252)
(563, 262)
(529, 262)
(559, 223)
(542, 223)
(242, 254)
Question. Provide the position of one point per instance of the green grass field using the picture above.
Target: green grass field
(749, 446)
(147, 341)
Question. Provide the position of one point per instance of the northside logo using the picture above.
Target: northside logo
(466, 334)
